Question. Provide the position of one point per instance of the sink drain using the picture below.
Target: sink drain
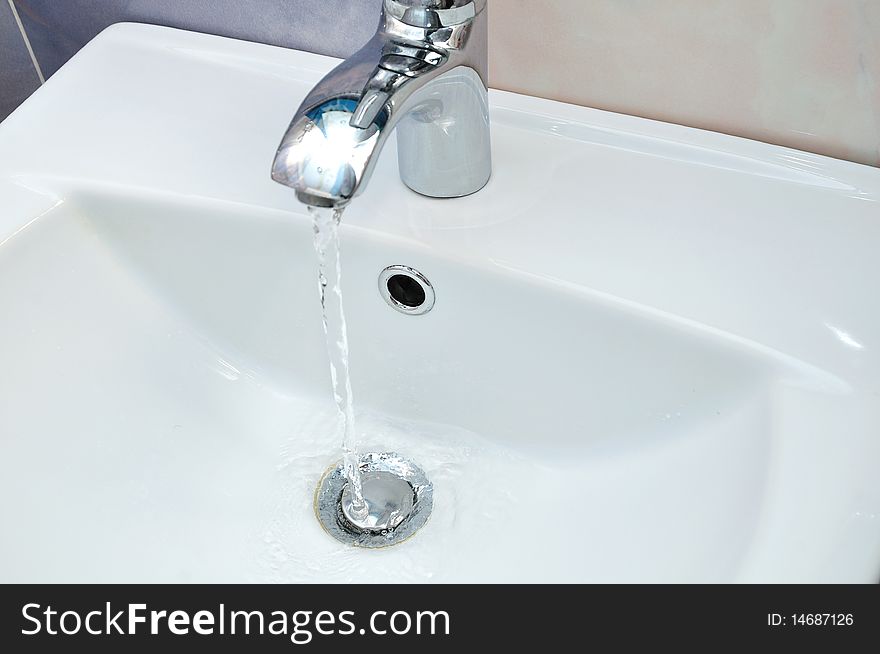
(399, 501)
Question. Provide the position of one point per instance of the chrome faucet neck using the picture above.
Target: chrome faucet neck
(424, 74)
(434, 13)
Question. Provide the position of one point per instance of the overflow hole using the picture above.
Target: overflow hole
(407, 290)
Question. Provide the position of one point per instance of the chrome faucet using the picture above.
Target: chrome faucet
(424, 72)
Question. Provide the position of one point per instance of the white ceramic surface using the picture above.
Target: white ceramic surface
(662, 341)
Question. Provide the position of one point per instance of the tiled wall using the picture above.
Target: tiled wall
(804, 73)
(58, 28)
(18, 78)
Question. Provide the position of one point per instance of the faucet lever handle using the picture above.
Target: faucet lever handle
(372, 103)
(398, 64)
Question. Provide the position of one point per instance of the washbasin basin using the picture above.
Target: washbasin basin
(653, 354)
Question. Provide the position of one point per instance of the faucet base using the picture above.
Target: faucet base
(398, 494)
(444, 147)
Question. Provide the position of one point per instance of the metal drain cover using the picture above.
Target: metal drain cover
(398, 494)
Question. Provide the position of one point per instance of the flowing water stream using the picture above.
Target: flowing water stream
(326, 230)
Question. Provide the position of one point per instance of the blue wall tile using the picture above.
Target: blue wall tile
(18, 78)
(336, 27)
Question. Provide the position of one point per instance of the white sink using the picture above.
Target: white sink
(654, 356)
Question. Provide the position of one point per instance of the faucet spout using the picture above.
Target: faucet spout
(423, 75)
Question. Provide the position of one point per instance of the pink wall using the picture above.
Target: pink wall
(801, 73)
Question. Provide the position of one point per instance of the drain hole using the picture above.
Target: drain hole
(406, 290)
(399, 498)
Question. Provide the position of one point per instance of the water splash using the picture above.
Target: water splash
(326, 231)
(471, 502)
